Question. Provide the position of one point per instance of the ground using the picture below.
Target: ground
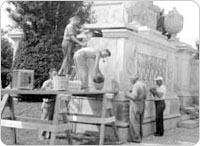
(177, 136)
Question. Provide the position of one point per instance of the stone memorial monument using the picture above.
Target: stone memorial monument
(137, 48)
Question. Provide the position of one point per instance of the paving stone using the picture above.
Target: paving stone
(188, 124)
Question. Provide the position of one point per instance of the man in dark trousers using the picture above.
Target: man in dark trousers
(159, 94)
(137, 98)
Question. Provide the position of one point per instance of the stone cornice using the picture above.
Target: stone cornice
(185, 48)
(98, 3)
(187, 93)
(151, 39)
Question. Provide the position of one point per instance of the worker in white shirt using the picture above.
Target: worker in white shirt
(137, 98)
(48, 103)
(159, 94)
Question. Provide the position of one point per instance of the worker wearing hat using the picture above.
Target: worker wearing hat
(159, 94)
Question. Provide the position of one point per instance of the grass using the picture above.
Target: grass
(30, 137)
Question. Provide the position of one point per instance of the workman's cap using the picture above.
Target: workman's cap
(159, 78)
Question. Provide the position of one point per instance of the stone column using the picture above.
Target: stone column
(187, 78)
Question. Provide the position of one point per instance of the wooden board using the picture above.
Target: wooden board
(53, 92)
(90, 120)
(31, 125)
(28, 119)
(3, 103)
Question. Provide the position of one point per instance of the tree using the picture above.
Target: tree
(43, 24)
(6, 60)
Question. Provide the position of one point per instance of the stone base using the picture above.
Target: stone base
(188, 110)
(188, 124)
(148, 128)
(188, 98)
(92, 106)
(170, 122)
(184, 117)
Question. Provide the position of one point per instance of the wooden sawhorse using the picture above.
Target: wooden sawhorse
(102, 120)
(54, 126)
(13, 121)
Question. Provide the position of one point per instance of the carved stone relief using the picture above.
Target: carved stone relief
(149, 67)
(142, 13)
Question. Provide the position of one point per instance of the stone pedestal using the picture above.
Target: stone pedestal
(123, 12)
(129, 32)
(15, 36)
(136, 52)
(144, 54)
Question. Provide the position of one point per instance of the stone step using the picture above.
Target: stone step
(185, 117)
(188, 124)
(188, 109)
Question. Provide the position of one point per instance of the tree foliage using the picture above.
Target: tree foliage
(6, 60)
(43, 24)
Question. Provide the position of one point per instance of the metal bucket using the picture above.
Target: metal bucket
(98, 81)
(99, 86)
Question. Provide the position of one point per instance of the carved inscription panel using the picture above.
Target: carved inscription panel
(149, 67)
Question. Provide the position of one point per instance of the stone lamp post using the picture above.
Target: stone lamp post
(173, 23)
(15, 35)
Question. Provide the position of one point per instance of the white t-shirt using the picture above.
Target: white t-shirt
(47, 85)
(139, 91)
(161, 89)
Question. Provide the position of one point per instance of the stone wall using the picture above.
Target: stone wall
(134, 53)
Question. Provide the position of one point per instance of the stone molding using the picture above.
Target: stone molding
(187, 93)
(148, 39)
(170, 116)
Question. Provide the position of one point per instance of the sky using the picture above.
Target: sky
(189, 9)
(4, 15)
